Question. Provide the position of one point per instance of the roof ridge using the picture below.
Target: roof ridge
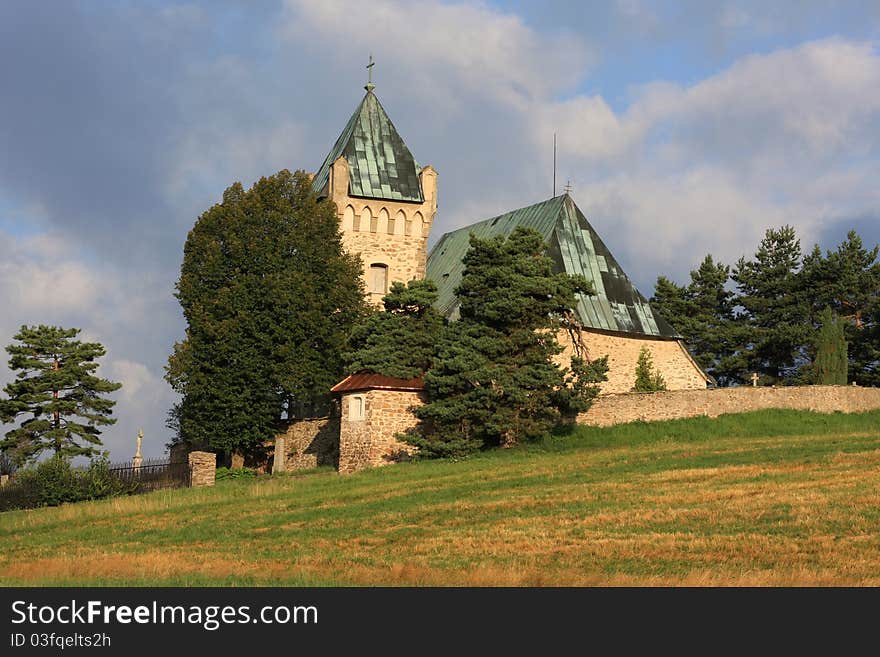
(504, 214)
(575, 247)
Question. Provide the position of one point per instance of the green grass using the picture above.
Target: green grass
(765, 498)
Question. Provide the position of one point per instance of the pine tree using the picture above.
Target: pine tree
(775, 306)
(830, 366)
(703, 314)
(494, 381)
(270, 299)
(399, 342)
(647, 378)
(57, 387)
(847, 281)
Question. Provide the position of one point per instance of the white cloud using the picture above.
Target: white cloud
(789, 136)
(453, 54)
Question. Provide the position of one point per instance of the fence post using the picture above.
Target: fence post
(203, 467)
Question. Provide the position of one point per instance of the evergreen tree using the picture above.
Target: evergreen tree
(57, 387)
(847, 281)
(775, 306)
(270, 299)
(830, 366)
(399, 342)
(647, 378)
(703, 314)
(494, 381)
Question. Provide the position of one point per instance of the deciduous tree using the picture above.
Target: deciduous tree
(270, 298)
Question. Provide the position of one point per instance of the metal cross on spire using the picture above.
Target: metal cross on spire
(370, 86)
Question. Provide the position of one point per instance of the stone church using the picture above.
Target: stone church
(387, 202)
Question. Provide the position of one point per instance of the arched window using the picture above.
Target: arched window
(417, 225)
(399, 223)
(377, 283)
(382, 223)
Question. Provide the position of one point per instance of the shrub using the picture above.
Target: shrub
(237, 473)
(647, 378)
(54, 481)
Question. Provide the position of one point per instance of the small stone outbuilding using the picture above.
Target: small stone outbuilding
(374, 409)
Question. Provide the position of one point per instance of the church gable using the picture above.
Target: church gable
(575, 248)
(380, 164)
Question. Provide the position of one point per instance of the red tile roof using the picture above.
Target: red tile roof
(376, 382)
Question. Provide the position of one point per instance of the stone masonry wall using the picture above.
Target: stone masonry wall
(648, 406)
(669, 356)
(307, 444)
(370, 442)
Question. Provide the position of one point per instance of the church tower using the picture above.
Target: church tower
(386, 201)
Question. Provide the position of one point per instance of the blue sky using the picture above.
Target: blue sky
(685, 128)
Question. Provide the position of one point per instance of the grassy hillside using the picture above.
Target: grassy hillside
(766, 498)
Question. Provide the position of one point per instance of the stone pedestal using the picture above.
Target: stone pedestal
(279, 463)
(203, 468)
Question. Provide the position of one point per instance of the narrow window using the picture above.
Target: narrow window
(417, 225)
(378, 280)
(367, 221)
(356, 408)
(348, 219)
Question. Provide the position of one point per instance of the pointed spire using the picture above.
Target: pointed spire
(370, 86)
(380, 164)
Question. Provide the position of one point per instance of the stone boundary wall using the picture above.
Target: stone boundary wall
(307, 444)
(608, 410)
(203, 468)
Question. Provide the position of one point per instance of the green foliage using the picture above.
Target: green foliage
(237, 473)
(57, 387)
(847, 281)
(830, 366)
(54, 481)
(400, 341)
(775, 307)
(768, 324)
(270, 298)
(703, 313)
(493, 381)
(7, 464)
(647, 378)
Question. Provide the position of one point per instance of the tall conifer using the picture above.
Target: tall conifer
(56, 386)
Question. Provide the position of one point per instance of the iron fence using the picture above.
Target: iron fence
(153, 474)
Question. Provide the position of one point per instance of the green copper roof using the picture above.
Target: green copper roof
(380, 164)
(575, 248)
